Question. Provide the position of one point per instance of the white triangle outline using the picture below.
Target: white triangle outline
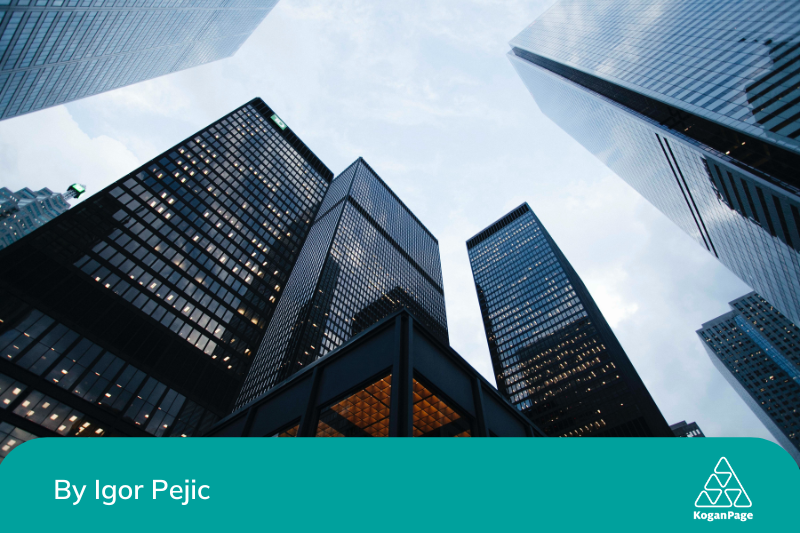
(724, 490)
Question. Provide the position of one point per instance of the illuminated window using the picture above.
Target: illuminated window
(11, 437)
(435, 418)
(363, 414)
(9, 390)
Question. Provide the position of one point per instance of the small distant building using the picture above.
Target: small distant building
(23, 211)
(682, 429)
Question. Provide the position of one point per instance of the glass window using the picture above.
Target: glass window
(16, 340)
(435, 418)
(49, 348)
(288, 432)
(189, 421)
(9, 390)
(363, 414)
(70, 367)
(56, 416)
(11, 437)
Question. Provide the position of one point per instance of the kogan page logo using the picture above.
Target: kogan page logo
(723, 490)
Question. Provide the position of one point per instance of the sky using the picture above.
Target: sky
(423, 91)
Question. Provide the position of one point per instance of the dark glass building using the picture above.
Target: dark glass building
(394, 379)
(366, 256)
(23, 211)
(695, 105)
(138, 311)
(690, 430)
(757, 350)
(57, 51)
(554, 355)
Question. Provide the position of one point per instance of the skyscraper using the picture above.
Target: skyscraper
(138, 311)
(23, 211)
(690, 430)
(757, 350)
(696, 106)
(554, 355)
(366, 257)
(57, 53)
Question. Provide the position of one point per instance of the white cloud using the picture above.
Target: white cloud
(49, 149)
(608, 295)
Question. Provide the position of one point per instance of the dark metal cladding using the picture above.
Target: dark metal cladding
(394, 379)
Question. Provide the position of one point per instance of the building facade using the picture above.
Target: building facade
(23, 211)
(696, 106)
(690, 430)
(139, 311)
(366, 257)
(394, 379)
(757, 350)
(554, 355)
(57, 51)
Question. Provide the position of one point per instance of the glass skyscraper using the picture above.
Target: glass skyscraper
(23, 211)
(138, 311)
(695, 105)
(554, 355)
(757, 350)
(366, 257)
(690, 430)
(57, 51)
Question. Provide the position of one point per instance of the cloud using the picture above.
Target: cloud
(49, 149)
(608, 295)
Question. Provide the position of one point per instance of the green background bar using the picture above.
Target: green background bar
(396, 484)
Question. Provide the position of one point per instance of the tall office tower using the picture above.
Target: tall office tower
(696, 106)
(554, 355)
(366, 257)
(62, 50)
(137, 312)
(682, 429)
(757, 350)
(23, 211)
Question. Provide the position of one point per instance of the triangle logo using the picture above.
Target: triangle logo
(723, 489)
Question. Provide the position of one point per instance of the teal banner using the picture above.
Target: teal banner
(700, 484)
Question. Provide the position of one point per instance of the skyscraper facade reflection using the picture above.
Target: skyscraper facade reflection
(23, 211)
(62, 50)
(138, 311)
(696, 106)
(757, 350)
(366, 257)
(553, 353)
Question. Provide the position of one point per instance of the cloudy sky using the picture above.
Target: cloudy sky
(423, 91)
